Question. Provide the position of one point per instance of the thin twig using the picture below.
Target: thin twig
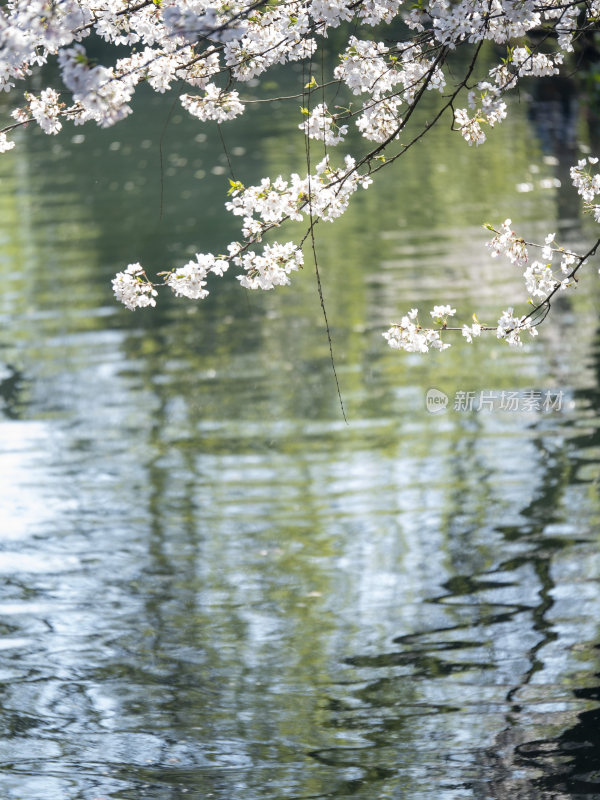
(315, 259)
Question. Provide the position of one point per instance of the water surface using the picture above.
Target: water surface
(211, 586)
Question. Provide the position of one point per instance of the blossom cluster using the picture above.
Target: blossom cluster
(216, 104)
(410, 336)
(511, 327)
(542, 281)
(45, 110)
(587, 185)
(190, 280)
(133, 289)
(487, 106)
(321, 125)
(507, 243)
(266, 270)
(323, 195)
(271, 268)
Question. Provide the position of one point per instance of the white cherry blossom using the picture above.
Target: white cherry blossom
(132, 288)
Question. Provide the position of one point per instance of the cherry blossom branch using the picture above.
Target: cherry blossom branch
(377, 87)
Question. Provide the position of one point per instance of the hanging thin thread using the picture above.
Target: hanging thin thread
(160, 154)
(306, 103)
